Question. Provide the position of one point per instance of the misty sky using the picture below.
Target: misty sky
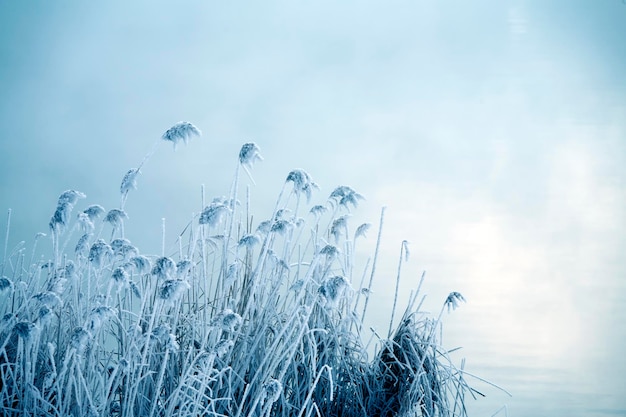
(493, 131)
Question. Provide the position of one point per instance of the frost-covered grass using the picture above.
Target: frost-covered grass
(245, 318)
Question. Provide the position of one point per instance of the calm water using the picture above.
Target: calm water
(555, 345)
(542, 264)
(549, 319)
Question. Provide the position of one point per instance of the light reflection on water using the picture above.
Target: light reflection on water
(582, 377)
(549, 329)
(545, 288)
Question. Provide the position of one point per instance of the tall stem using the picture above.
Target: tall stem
(369, 285)
(163, 236)
(404, 253)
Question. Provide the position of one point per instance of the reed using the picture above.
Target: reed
(245, 318)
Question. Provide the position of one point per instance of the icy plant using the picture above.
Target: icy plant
(333, 289)
(140, 263)
(452, 302)
(129, 182)
(5, 284)
(172, 289)
(64, 208)
(243, 316)
(120, 275)
(116, 218)
(99, 252)
(228, 320)
(344, 195)
(362, 230)
(302, 182)
(94, 211)
(249, 241)
(181, 131)
(249, 154)
(164, 268)
(213, 214)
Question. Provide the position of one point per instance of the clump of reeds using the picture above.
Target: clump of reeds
(243, 319)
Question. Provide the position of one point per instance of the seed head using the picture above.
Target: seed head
(141, 263)
(228, 320)
(300, 179)
(181, 131)
(24, 329)
(344, 195)
(272, 390)
(48, 299)
(222, 347)
(302, 182)
(128, 250)
(249, 154)
(172, 289)
(248, 241)
(329, 251)
(213, 213)
(123, 248)
(115, 217)
(362, 230)
(116, 244)
(82, 245)
(231, 274)
(282, 213)
(183, 268)
(68, 270)
(264, 227)
(164, 268)
(99, 252)
(5, 285)
(59, 219)
(452, 302)
(164, 336)
(333, 288)
(85, 222)
(119, 275)
(281, 226)
(70, 197)
(339, 225)
(129, 182)
(8, 320)
(318, 210)
(94, 211)
(65, 204)
(44, 314)
(79, 339)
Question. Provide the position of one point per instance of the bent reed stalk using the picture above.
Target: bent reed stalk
(240, 321)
